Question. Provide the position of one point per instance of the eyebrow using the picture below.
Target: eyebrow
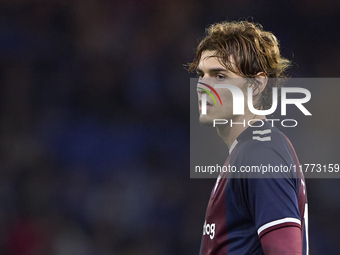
(212, 70)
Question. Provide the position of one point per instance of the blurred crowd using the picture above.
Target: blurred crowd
(95, 121)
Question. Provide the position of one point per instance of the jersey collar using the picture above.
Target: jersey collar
(232, 147)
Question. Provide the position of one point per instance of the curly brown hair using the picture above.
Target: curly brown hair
(253, 49)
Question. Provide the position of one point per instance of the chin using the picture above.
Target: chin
(206, 121)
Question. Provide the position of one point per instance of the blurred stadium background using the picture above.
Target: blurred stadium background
(95, 121)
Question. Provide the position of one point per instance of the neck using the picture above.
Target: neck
(230, 132)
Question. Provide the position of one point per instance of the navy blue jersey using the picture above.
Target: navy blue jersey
(244, 206)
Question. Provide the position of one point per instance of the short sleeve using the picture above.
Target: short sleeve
(271, 203)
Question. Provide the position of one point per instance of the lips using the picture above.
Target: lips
(208, 103)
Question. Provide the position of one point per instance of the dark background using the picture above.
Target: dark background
(95, 121)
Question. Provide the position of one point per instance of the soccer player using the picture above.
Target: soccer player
(246, 214)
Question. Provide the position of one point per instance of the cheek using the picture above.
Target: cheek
(225, 95)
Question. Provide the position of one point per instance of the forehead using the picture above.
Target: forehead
(210, 63)
(208, 60)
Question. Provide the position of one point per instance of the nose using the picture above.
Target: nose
(200, 90)
(203, 84)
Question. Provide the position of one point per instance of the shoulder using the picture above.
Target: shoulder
(264, 144)
(262, 149)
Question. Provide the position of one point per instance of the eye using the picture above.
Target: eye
(220, 77)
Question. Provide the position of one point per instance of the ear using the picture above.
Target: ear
(262, 81)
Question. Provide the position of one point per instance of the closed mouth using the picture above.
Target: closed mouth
(208, 103)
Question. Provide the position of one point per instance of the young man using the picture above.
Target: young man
(247, 214)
